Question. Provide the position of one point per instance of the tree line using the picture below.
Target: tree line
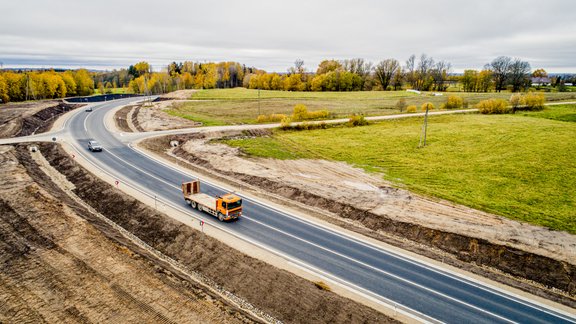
(35, 85)
(422, 73)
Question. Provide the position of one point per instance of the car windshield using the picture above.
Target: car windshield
(236, 204)
(95, 143)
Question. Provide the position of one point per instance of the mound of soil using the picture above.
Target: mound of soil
(23, 119)
(283, 295)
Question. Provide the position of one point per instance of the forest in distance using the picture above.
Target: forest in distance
(422, 73)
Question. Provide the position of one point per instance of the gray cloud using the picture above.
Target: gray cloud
(272, 34)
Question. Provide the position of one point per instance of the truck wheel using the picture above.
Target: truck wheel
(220, 217)
(200, 207)
(193, 204)
(188, 201)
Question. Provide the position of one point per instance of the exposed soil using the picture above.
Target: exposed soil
(21, 119)
(59, 263)
(145, 117)
(394, 215)
(283, 295)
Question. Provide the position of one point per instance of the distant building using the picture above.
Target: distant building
(540, 81)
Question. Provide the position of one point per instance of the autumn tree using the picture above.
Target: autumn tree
(3, 90)
(469, 81)
(142, 68)
(485, 80)
(84, 83)
(385, 72)
(328, 66)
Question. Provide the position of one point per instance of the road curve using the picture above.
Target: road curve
(419, 290)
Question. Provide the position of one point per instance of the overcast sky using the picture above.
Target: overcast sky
(272, 34)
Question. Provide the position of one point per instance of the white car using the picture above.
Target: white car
(94, 146)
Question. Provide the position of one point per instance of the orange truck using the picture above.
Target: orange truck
(226, 207)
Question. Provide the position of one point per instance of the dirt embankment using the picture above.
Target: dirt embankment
(434, 228)
(60, 263)
(24, 119)
(283, 295)
(145, 117)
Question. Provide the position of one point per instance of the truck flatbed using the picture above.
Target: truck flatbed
(203, 199)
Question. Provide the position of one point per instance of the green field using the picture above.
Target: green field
(520, 166)
(114, 91)
(242, 106)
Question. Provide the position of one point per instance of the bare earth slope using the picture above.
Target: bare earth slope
(58, 267)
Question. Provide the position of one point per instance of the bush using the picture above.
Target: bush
(301, 113)
(401, 104)
(428, 105)
(493, 106)
(453, 102)
(534, 101)
(285, 123)
(357, 120)
(273, 118)
(517, 100)
(411, 109)
(317, 114)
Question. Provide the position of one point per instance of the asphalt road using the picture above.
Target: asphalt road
(430, 294)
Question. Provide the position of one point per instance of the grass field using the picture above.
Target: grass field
(242, 106)
(519, 166)
(114, 91)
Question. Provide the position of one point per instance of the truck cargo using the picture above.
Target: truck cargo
(226, 207)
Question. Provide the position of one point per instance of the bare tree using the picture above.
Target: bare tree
(385, 71)
(440, 75)
(518, 74)
(410, 70)
(500, 68)
(360, 67)
(423, 73)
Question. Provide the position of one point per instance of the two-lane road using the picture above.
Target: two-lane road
(426, 292)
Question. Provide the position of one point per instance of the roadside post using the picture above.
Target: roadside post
(202, 225)
(116, 183)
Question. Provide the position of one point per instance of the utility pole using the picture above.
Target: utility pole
(258, 101)
(424, 129)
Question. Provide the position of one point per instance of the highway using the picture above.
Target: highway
(419, 290)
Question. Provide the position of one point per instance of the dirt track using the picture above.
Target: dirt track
(117, 280)
(459, 231)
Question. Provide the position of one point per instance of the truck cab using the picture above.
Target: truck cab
(226, 207)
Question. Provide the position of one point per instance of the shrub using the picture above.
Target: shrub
(285, 123)
(534, 101)
(453, 102)
(411, 109)
(428, 105)
(357, 120)
(517, 101)
(401, 104)
(273, 118)
(317, 114)
(300, 112)
(322, 286)
(493, 106)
